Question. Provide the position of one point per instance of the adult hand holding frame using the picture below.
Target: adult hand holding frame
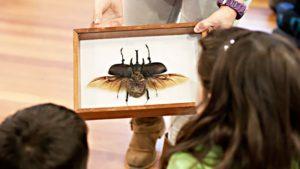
(136, 71)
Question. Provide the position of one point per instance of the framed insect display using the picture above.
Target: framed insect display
(136, 71)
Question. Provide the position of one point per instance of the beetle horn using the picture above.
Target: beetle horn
(131, 62)
(137, 56)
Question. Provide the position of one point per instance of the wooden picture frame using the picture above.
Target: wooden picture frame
(126, 32)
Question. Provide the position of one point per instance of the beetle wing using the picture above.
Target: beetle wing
(165, 80)
(112, 83)
(121, 70)
(153, 69)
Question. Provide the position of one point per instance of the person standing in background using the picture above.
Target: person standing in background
(210, 14)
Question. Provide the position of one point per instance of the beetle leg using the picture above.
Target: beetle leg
(147, 94)
(123, 60)
(149, 58)
(143, 62)
(127, 97)
(119, 91)
(154, 85)
(155, 91)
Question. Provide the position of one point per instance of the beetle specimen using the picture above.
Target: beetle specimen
(137, 78)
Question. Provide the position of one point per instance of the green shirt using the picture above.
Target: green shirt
(184, 160)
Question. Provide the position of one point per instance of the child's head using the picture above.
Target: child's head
(43, 137)
(211, 50)
(254, 105)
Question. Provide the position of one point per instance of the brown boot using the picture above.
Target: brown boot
(141, 153)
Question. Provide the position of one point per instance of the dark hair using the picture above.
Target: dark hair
(253, 111)
(45, 136)
(210, 47)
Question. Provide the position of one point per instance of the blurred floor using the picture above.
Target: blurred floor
(36, 64)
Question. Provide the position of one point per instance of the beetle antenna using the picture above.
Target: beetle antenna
(122, 55)
(137, 56)
(149, 58)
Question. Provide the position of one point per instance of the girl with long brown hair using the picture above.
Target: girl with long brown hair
(251, 118)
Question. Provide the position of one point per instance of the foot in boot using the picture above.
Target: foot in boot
(139, 159)
(141, 153)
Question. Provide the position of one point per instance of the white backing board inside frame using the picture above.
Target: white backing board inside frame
(179, 53)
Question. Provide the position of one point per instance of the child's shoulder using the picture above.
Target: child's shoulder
(184, 160)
